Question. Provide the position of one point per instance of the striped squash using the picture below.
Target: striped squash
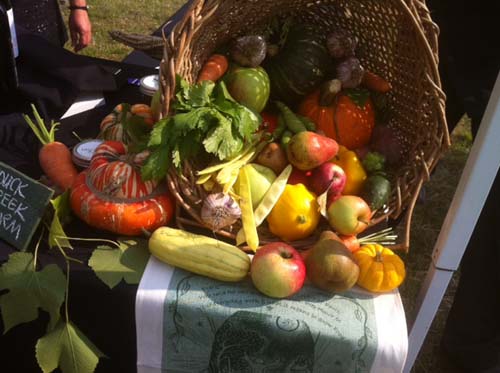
(111, 127)
(113, 171)
(199, 254)
(111, 195)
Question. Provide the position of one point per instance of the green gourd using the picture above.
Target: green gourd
(376, 191)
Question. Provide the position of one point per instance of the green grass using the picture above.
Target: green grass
(131, 16)
(144, 16)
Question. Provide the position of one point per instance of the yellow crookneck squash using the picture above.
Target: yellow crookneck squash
(296, 214)
(380, 269)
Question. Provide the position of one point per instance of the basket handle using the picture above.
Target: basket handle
(419, 14)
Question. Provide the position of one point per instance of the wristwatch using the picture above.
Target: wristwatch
(79, 7)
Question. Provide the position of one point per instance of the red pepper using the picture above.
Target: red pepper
(269, 122)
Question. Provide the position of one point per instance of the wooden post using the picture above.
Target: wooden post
(472, 190)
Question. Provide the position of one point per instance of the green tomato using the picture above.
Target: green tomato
(249, 86)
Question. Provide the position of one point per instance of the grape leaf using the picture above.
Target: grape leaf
(128, 262)
(30, 290)
(68, 348)
(62, 211)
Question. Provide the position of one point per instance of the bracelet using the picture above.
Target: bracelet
(77, 7)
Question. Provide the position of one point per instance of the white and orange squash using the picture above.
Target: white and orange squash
(111, 127)
(112, 196)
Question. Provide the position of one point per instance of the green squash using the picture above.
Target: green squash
(300, 66)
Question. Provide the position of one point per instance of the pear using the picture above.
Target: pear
(331, 266)
(307, 150)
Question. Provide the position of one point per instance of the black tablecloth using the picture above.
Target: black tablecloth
(105, 316)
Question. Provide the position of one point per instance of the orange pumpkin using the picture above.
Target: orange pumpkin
(111, 195)
(347, 117)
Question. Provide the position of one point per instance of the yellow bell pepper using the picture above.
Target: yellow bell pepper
(353, 168)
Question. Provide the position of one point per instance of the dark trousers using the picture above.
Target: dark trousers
(472, 333)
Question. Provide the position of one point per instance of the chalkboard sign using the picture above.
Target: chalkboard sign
(22, 205)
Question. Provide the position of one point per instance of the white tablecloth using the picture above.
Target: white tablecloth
(385, 318)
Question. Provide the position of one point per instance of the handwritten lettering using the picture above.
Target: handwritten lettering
(12, 184)
(12, 204)
(10, 224)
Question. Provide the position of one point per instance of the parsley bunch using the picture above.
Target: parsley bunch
(206, 119)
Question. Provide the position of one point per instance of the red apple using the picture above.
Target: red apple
(349, 215)
(331, 197)
(278, 270)
(328, 176)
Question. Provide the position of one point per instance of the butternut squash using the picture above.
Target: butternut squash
(199, 254)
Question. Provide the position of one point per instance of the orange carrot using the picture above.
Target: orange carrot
(383, 237)
(54, 157)
(214, 68)
(351, 242)
(375, 82)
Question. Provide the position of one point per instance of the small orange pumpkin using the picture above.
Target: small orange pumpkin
(111, 195)
(380, 269)
(347, 116)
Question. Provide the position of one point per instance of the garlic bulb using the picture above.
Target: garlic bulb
(350, 72)
(340, 44)
(219, 210)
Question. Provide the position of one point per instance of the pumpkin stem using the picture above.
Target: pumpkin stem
(378, 256)
(328, 91)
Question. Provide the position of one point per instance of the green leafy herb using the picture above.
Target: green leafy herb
(206, 119)
(29, 290)
(128, 262)
(68, 348)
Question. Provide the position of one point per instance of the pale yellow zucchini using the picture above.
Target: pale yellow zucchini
(199, 254)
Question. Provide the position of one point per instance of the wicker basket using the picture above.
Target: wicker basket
(397, 39)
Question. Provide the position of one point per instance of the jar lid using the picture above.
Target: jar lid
(149, 84)
(83, 151)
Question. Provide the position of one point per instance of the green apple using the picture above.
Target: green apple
(349, 215)
(260, 178)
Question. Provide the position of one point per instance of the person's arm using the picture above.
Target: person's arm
(80, 28)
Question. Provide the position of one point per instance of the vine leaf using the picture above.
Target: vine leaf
(30, 290)
(128, 262)
(62, 211)
(68, 348)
